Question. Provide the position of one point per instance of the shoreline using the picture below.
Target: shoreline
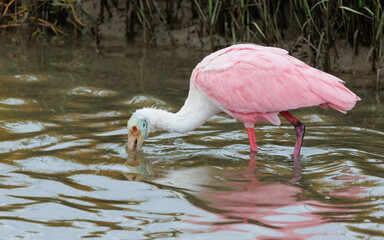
(355, 70)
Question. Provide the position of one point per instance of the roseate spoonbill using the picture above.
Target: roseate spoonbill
(252, 84)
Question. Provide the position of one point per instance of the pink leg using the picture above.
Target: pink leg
(300, 130)
(252, 139)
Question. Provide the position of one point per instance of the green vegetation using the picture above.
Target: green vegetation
(317, 25)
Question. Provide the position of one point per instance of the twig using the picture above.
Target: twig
(6, 8)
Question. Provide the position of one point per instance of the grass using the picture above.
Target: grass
(318, 23)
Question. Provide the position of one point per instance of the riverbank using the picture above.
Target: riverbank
(354, 69)
(335, 36)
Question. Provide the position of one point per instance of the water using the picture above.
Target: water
(65, 172)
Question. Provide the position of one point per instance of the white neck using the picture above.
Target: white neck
(197, 109)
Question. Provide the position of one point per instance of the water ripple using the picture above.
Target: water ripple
(87, 91)
(25, 126)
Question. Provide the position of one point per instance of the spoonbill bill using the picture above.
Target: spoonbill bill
(251, 83)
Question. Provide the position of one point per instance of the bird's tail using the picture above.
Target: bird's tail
(333, 91)
(345, 101)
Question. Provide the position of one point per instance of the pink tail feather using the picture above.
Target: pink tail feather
(333, 91)
(346, 101)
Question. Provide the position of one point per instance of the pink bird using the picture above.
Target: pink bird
(252, 84)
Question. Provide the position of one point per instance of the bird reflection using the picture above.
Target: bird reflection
(141, 170)
(244, 199)
(240, 197)
(138, 166)
(295, 174)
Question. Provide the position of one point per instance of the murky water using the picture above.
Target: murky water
(65, 172)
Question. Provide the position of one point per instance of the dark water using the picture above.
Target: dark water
(65, 172)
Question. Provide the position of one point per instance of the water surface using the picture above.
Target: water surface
(65, 172)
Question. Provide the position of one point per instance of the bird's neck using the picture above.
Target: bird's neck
(182, 121)
(195, 112)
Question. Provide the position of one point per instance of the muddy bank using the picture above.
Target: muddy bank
(334, 45)
(181, 24)
(354, 70)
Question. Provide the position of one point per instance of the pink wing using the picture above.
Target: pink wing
(255, 83)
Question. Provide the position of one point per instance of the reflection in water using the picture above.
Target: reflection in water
(64, 166)
(138, 166)
(263, 209)
(275, 207)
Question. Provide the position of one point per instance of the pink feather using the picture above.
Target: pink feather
(254, 84)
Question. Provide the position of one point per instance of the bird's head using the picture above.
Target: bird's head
(137, 132)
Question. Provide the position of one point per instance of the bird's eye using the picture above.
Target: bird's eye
(144, 124)
(134, 129)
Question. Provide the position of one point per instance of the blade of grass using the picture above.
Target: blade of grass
(379, 31)
(259, 29)
(200, 11)
(354, 11)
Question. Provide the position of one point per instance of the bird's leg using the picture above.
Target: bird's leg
(300, 130)
(252, 163)
(252, 139)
